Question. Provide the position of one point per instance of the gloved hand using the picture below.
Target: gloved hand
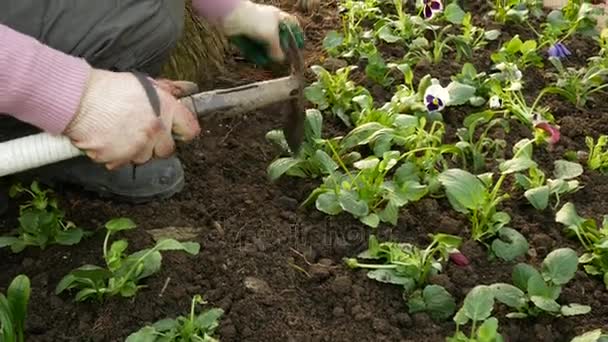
(116, 124)
(261, 23)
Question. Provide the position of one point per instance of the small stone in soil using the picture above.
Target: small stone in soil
(288, 203)
(333, 64)
(449, 225)
(228, 331)
(341, 285)
(338, 311)
(380, 325)
(543, 243)
(326, 262)
(257, 286)
(319, 272)
(403, 319)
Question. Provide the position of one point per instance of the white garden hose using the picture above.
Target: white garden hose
(33, 151)
(41, 149)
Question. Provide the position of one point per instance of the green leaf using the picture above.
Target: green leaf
(453, 13)
(509, 295)
(538, 197)
(316, 94)
(560, 266)
(7, 241)
(332, 40)
(69, 237)
(567, 170)
(464, 190)
(192, 248)
(371, 220)
(391, 277)
(460, 317)
(575, 309)
(350, 202)
(479, 303)
(439, 302)
(488, 330)
(567, 216)
(460, 93)
(145, 334)
(492, 34)
(546, 304)
(278, 167)
(209, 320)
(327, 203)
(119, 224)
(516, 165)
(589, 336)
(18, 296)
(328, 165)
(521, 275)
(510, 244)
(386, 33)
(84, 294)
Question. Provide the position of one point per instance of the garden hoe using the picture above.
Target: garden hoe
(41, 149)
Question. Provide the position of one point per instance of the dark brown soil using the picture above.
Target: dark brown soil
(250, 227)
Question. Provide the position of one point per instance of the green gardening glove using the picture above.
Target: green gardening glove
(262, 32)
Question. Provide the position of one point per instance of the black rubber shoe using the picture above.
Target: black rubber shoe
(157, 179)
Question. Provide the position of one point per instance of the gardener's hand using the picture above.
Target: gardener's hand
(116, 124)
(261, 23)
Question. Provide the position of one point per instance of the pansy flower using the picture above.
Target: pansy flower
(430, 8)
(544, 127)
(559, 50)
(435, 98)
(495, 102)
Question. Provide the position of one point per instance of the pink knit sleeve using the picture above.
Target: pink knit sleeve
(39, 85)
(214, 10)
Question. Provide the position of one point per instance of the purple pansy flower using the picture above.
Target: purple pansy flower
(435, 98)
(552, 132)
(459, 259)
(559, 50)
(431, 7)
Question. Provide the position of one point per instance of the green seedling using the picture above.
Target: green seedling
(517, 11)
(598, 153)
(578, 86)
(352, 41)
(472, 37)
(369, 195)
(401, 28)
(13, 309)
(334, 93)
(478, 197)
(521, 53)
(193, 328)
(535, 293)
(477, 308)
(41, 222)
(314, 158)
(408, 266)
(591, 336)
(477, 148)
(593, 238)
(123, 272)
(538, 188)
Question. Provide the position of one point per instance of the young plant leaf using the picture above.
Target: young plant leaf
(522, 274)
(510, 244)
(538, 197)
(327, 203)
(560, 266)
(464, 190)
(546, 304)
(575, 309)
(509, 295)
(350, 203)
(119, 224)
(516, 165)
(564, 169)
(568, 216)
(488, 331)
(479, 303)
(454, 14)
(440, 304)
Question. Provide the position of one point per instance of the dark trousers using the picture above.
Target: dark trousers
(118, 35)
